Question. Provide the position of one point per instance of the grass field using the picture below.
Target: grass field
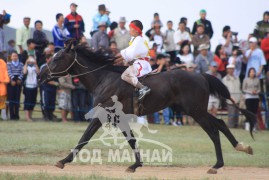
(44, 143)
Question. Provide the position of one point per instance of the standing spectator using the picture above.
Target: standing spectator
(156, 19)
(181, 35)
(22, 35)
(251, 88)
(227, 39)
(236, 59)
(185, 20)
(4, 19)
(262, 27)
(64, 96)
(74, 23)
(30, 51)
(41, 41)
(100, 39)
(100, 17)
(233, 84)
(265, 49)
(205, 22)
(30, 70)
(185, 54)
(204, 59)
(79, 94)
(15, 73)
(255, 59)
(121, 35)
(112, 27)
(213, 102)
(4, 80)
(169, 43)
(114, 48)
(155, 34)
(48, 94)
(221, 59)
(199, 38)
(59, 32)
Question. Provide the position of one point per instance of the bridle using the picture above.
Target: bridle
(56, 74)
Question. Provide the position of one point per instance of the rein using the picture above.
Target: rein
(56, 74)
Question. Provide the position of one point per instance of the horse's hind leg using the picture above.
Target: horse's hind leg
(90, 131)
(213, 133)
(220, 124)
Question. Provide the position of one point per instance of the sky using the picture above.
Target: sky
(241, 15)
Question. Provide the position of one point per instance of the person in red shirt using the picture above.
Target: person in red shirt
(265, 49)
(220, 58)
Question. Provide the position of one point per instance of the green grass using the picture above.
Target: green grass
(41, 143)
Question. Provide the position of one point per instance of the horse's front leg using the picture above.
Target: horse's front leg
(90, 131)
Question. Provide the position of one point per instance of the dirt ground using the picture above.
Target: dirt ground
(251, 173)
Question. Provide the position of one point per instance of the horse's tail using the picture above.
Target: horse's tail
(217, 88)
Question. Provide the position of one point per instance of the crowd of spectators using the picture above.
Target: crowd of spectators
(242, 65)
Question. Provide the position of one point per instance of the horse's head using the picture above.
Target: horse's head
(59, 65)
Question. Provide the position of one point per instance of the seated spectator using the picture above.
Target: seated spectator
(159, 66)
(100, 39)
(155, 34)
(48, 90)
(236, 59)
(199, 38)
(112, 27)
(190, 67)
(15, 73)
(169, 43)
(30, 51)
(153, 50)
(185, 54)
(233, 84)
(251, 88)
(221, 59)
(4, 80)
(100, 17)
(64, 96)
(156, 19)
(181, 35)
(10, 47)
(213, 102)
(203, 60)
(261, 27)
(227, 40)
(114, 48)
(185, 20)
(121, 35)
(59, 32)
(41, 41)
(30, 70)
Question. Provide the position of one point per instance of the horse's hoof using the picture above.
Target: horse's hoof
(212, 171)
(130, 170)
(247, 149)
(59, 165)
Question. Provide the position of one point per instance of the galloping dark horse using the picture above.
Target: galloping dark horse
(187, 92)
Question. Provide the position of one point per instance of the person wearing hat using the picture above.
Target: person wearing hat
(227, 40)
(233, 84)
(74, 23)
(262, 27)
(204, 59)
(100, 38)
(121, 35)
(213, 102)
(255, 59)
(101, 16)
(137, 53)
(30, 70)
(207, 24)
(199, 38)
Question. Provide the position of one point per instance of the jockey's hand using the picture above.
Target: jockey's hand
(119, 60)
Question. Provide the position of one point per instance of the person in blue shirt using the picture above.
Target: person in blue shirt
(101, 16)
(60, 33)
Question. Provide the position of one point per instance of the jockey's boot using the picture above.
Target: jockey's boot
(143, 92)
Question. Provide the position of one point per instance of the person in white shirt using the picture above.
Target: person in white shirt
(137, 53)
(227, 39)
(185, 54)
(181, 35)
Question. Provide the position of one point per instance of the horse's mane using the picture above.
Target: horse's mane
(99, 57)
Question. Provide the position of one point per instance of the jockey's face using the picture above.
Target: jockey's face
(133, 32)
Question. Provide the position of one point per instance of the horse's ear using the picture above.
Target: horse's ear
(69, 45)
